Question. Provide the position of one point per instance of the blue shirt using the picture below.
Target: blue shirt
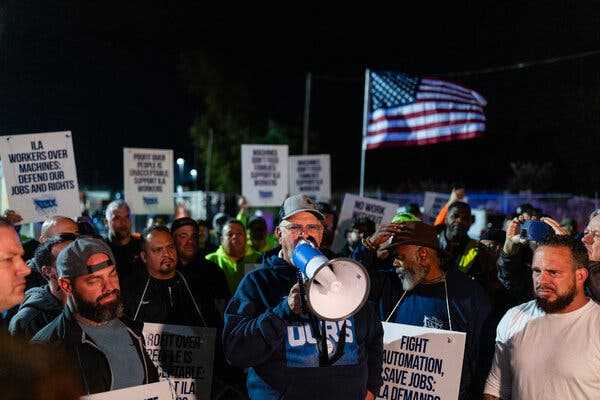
(425, 305)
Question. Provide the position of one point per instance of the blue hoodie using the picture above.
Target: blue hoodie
(261, 332)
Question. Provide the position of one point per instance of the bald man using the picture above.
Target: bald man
(51, 227)
(56, 225)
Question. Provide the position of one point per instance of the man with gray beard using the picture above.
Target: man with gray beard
(416, 291)
(108, 351)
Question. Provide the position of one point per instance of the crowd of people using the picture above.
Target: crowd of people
(525, 294)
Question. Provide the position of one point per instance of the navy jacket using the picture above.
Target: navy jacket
(261, 332)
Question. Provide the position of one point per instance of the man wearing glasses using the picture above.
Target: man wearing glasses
(268, 331)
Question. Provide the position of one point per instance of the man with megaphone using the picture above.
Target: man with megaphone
(301, 323)
(412, 288)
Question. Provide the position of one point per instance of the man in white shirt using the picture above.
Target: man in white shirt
(549, 348)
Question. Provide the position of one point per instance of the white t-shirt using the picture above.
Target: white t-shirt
(547, 356)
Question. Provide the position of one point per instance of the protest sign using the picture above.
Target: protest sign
(264, 174)
(421, 363)
(433, 203)
(480, 223)
(3, 196)
(148, 180)
(311, 175)
(184, 355)
(40, 175)
(153, 391)
(380, 212)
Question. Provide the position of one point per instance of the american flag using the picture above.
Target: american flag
(409, 111)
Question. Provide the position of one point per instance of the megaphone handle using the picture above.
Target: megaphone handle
(302, 292)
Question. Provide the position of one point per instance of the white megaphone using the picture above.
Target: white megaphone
(335, 289)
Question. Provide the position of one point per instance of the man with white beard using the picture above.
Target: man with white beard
(418, 292)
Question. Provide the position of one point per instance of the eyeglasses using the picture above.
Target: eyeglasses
(297, 229)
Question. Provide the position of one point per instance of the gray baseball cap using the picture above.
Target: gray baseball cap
(72, 260)
(298, 203)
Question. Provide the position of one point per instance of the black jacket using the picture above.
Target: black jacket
(90, 362)
(127, 257)
(210, 273)
(38, 310)
(184, 299)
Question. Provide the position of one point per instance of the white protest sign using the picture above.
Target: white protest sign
(421, 363)
(153, 391)
(3, 196)
(40, 175)
(311, 175)
(479, 225)
(433, 203)
(381, 212)
(148, 180)
(264, 174)
(184, 355)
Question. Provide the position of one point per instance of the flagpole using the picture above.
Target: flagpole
(306, 120)
(363, 144)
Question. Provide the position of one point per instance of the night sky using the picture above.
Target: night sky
(110, 73)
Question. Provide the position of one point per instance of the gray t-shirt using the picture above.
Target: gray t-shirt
(113, 339)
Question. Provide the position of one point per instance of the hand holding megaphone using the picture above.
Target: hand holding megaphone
(335, 289)
(295, 300)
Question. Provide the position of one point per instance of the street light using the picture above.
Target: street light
(180, 163)
(194, 174)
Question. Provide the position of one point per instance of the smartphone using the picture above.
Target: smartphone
(536, 231)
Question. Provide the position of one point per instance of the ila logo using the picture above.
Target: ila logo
(46, 205)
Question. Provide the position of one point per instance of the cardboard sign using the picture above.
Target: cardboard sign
(311, 175)
(380, 212)
(40, 175)
(148, 180)
(153, 391)
(184, 355)
(421, 363)
(433, 203)
(264, 174)
(479, 225)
